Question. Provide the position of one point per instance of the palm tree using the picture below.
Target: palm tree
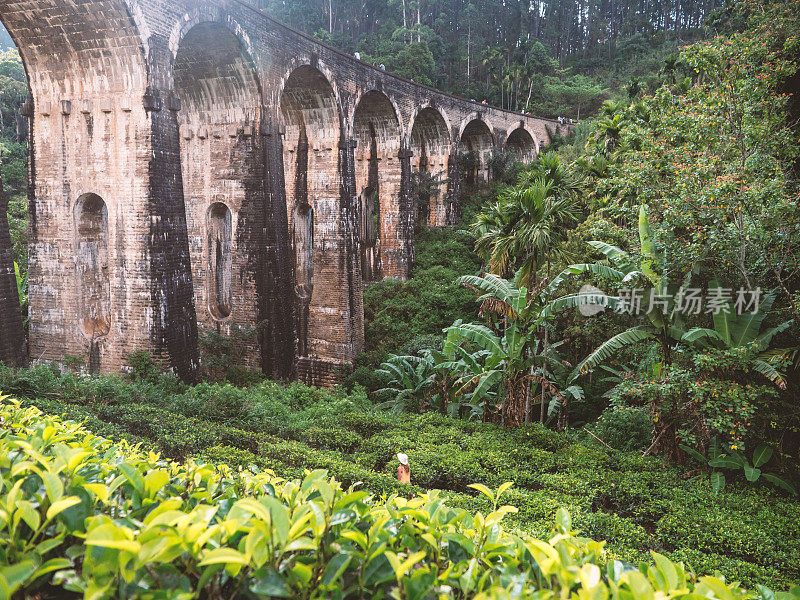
(510, 361)
(607, 134)
(523, 229)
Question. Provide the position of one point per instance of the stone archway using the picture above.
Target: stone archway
(92, 130)
(377, 132)
(222, 160)
(327, 282)
(430, 145)
(522, 145)
(476, 142)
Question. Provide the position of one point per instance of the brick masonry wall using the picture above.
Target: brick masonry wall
(12, 339)
(123, 89)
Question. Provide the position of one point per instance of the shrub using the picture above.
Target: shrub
(625, 428)
(142, 366)
(81, 515)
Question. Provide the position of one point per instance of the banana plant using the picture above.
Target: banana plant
(508, 360)
(734, 331)
(736, 461)
(664, 326)
(410, 381)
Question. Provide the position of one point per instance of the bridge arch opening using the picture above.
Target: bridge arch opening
(215, 78)
(476, 143)
(84, 71)
(311, 118)
(377, 132)
(522, 145)
(430, 145)
(222, 166)
(92, 266)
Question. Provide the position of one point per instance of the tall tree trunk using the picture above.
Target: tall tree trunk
(588, 41)
(530, 92)
(405, 18)
(611, 37)
(544, 355)
(419, 21)
(544, 375)
(469, 50)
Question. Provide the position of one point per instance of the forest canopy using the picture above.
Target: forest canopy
(549, 57)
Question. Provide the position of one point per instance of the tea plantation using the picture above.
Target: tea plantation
(749, 533)
(80, 515)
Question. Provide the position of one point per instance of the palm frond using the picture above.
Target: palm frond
(612, 346)
(770, 372)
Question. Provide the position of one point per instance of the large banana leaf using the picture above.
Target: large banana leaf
(744, 328)
(515, 341)
(703, 336)
(765, 339)
(486, 383)
(575, 300)
(495, 286)
(770, 372)
(724, 318)
(612, 346)
(604, 271)
(480, 335)
(617, 256)
(652, 257)
(504, 296)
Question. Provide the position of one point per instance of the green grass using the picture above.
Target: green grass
(750, 532)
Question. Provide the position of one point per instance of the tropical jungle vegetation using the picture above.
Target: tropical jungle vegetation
(606, 345)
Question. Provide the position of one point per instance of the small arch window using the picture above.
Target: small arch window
(220, 257)
(92, 265)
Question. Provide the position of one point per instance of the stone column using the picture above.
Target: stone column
(278, 345)
(407, 214)
(173, 326)
(12, 337)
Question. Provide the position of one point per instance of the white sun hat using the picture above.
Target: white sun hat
(402, 458)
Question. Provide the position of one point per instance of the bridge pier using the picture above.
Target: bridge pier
(196, 166)
(12, 337)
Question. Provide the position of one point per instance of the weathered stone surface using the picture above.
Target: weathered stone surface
(12, 338)
(239, 174)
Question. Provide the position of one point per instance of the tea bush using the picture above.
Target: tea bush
(82, 516)
(624, 428)
(749, 532)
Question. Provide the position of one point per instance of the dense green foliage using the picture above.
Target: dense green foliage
(14, 152)
(551, 58)
(79, 515)
(712, 157)
(679, 431)
(749, 532)
(690, 191)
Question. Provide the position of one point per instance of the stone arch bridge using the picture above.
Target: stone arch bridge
(199, 166)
